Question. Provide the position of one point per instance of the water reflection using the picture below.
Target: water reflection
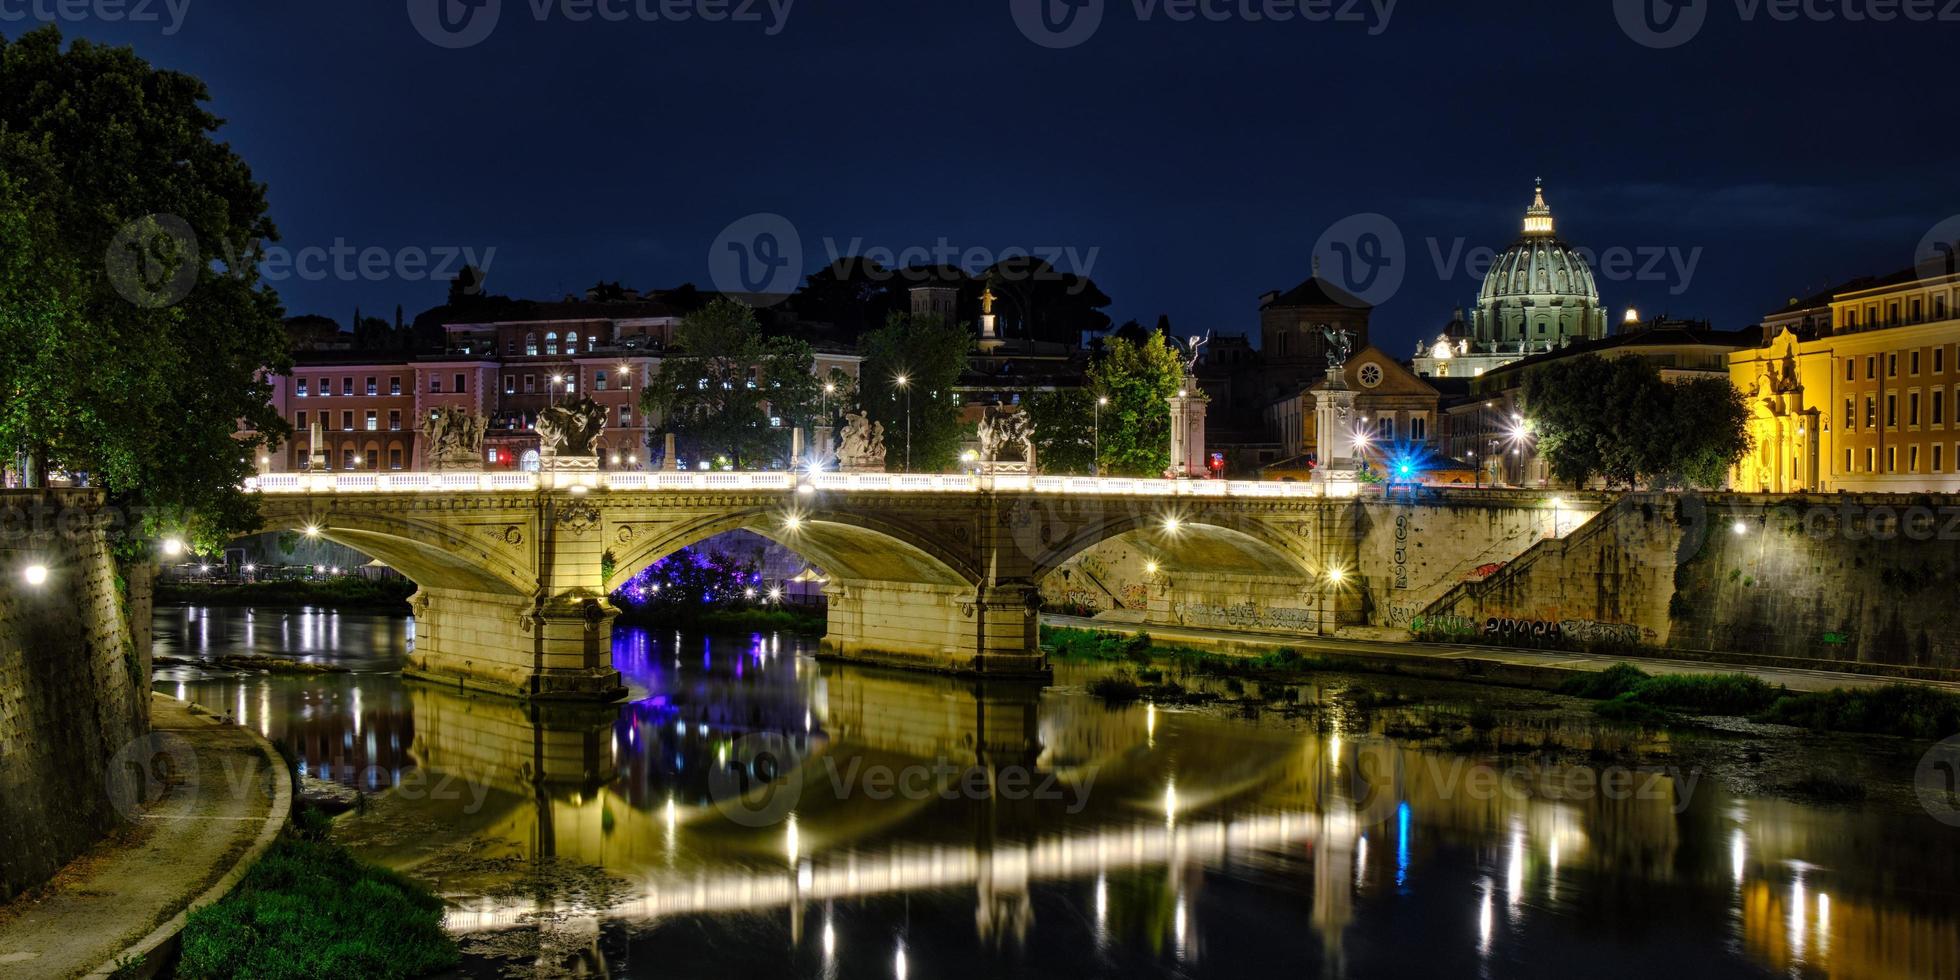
(1174, 841)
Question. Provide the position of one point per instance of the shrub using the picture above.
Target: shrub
(1118, 688)
(309, 909)
(1706, 694)
(1606, 684)
(1896, 709)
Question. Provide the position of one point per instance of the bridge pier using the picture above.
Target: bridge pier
(555, 649)
(992, 631)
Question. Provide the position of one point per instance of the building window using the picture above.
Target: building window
(1418, 429)
(571, 343)
(347, 387)
(347, 459)
(530, 384)
(531, 345)
(395, 385)
(1871, 460)
(299, 422)
(1912, 459)
(1939, 307)
(462, 383)
(372, 387)
(373, 459)
(302, 388)
(599, 381)
(1847, 462)
(1871, 368)
(395, 420)
(1891, 411)
(510, 384)
(435, 384)
(373, 421)
(1939, 359)
(1891, 365)
(625, 416)
(1388, 428)
(1916, 309)
(1850, 414)
(347, 422)
(1936, 456)
(493, 455)
(1850, 369)
(1850, 318)
(1912, 409)
(1871, 412)
(1939, 406)
(394, 459)
(1913, 363)
(551, 342)
(625, 378)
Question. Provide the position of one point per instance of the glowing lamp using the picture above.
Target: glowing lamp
(35, 575)
(173, 546)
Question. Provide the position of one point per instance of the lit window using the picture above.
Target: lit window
(551, 343)
(373, 421)
(599, 381)
(302, 388)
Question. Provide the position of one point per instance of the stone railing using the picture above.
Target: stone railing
(509, 482)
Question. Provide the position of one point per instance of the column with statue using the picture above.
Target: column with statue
(1188, 409)
(1334, 413)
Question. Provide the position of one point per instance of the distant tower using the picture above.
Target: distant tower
(939, 301)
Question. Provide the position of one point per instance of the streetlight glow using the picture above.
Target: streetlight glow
(173, 546)
(36, 575)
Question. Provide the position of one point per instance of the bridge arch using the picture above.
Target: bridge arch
(430, 554)
(845, 545)
(1216, 542)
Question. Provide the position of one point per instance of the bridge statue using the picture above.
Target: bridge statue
(454, 439)
(570, 433)
(1340, 347)
(1007, 443)
(863, 449)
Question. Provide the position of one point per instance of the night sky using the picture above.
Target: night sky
(1196, 163)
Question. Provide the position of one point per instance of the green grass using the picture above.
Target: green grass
(1603, 685)
(309, 909)
(1904, 710)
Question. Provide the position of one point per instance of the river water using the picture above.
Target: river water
(751, 812)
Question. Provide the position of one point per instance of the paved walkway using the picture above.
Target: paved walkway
(132, 891)
(1379, 648)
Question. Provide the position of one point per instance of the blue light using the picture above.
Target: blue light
(1401, 845)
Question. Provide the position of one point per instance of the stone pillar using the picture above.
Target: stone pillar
(944, 628)
(1333, 430)
(672, 460)
(1188, 409)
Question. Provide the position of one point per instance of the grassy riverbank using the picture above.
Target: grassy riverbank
(345, 593)
(1622, 692)
(310, 909)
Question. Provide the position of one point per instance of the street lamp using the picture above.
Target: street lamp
(905, 383)
(1095, 465)
(551, 394)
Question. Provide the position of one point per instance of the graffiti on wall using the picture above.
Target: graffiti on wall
(1136, 596)
(1444, 626)
(1486, 571)
(1402, 552)
(1550, 631)
(1245, 615)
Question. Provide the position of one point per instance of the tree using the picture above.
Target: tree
(1139, 378)
(139, 370)
(1064, 430)
(929, 354)
(1619, 421)
(1040, 302)
(852, 294)
(723, 392)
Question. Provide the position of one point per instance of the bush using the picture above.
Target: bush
(309, 909)
(1905, 710)
(1706, 694)
(1118, 688)
(1606, 684)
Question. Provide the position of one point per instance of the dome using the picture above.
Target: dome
(1540, 288)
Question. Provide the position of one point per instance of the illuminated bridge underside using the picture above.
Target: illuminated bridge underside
(945, 576)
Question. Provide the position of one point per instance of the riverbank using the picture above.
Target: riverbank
(118, 905)
(384, 595)
(1647, 692)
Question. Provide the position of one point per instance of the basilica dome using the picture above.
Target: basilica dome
(1540, 291)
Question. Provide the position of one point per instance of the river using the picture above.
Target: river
(752, 812)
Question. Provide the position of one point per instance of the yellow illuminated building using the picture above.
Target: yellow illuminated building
(1856, 390)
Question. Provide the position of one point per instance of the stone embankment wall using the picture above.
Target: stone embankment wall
(74, 685)
(1850, 582)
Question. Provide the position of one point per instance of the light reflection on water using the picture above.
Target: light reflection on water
(1180, 841)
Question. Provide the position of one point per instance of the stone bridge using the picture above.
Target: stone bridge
(933, 572)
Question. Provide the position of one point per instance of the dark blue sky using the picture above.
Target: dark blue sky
(1200, 161)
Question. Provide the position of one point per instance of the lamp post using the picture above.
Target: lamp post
(1095, 462)
(905, 383)
(551, 393)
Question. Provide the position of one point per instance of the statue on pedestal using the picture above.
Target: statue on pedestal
(863, 449)
(454, 439)
(1340, 348)
(1009, 435)
(569, 434)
